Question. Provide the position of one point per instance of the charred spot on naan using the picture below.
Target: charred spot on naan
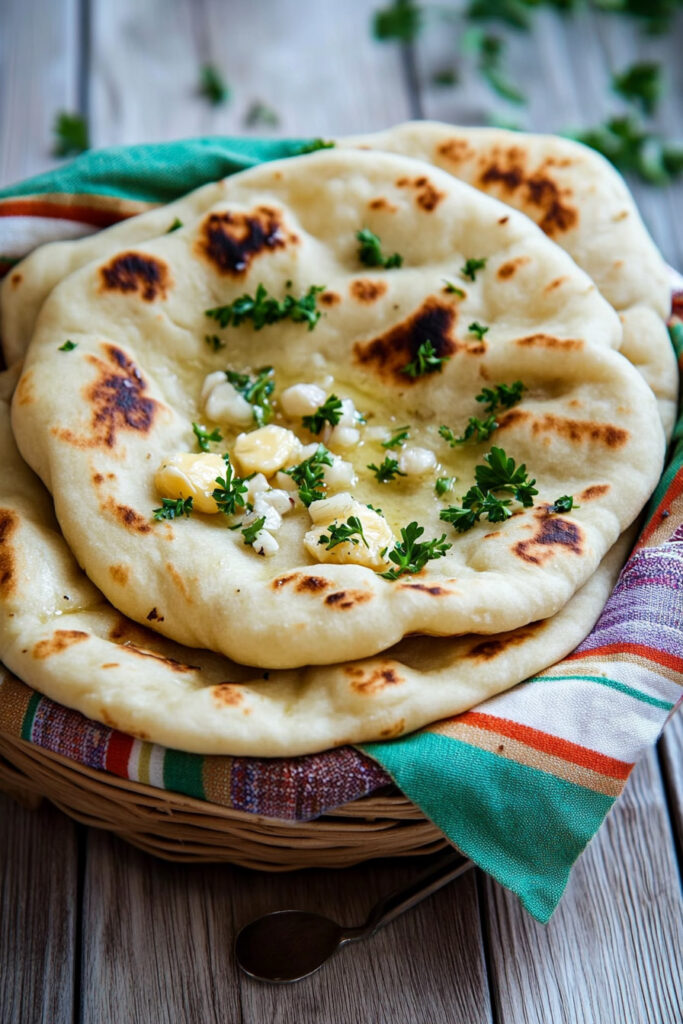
(367, 291)
(510, 267)
(389, 353)
(394, 730)
(553, 533)
(329, 298)
(369, 682)
(24, 394)
(485, 650)
(136, 272)
(345, 599)
(576, 431)
(547, 341)
(311, 584)
(427, 195)
(16, 279)
(230, 241)
(119, 574)
(594, 492)
(126, 516)
(9, 521)
(535, 192)
(427, 588)
(455, 151)
(382, 203)
(60, 641)
(227, 695)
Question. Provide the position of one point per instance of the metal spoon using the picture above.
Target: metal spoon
(291, 944)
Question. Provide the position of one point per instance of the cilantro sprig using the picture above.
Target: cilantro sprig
(339, 533)
(262, 309)
(410, 554)
(502, 396)
(309, 475)
(329, 412)
(172, 508)
(204, 436)
(370, 251)
(229, 495)
(386, 471)
(256, 389)
(426, 361)
(398, 438)
(251, 531)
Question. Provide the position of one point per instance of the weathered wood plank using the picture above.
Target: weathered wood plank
(39, 68)
(671, 760)
(427, 967)
(614, 949)
(38, 914)
(314, 66)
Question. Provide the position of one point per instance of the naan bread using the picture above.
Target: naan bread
(59, 634)
(96, 422)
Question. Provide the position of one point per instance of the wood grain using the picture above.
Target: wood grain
(38, 914)
(671, 760)
(614, 949)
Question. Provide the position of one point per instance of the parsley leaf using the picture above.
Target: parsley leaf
(262, 309)
(68, 346)
(398, 438)
(315, 145)
(71, 134)
(630, 147)
(443, 485)
(309, 475)
(475, 504)
(172, 508)
(257, 391)
(402, 20)
(454, 290)
(471, 267)
(476, 328)
(229, 495)
(349, 531)
(260, 113)
(214, 342)
(329, 412)
(502, 396)
(204, 436)
(563, 504)
(479, 430)
(410, 554)
(370, 252)
(251, 531)
(425, 361)
(386, 471)
(501, 473)
(212, 85)
(177, 223)
(641, 83)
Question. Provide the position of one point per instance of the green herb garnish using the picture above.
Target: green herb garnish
(177, 223)
(477, 430)
(630, 147)
(370, 252)
(500, 473)
(471, 267)
(260, 113)
(214, 342)
(454, 290)
(502, 396)
(262, 309)
(351, 531)
(386, 471)
(212, 85)
(641, 83)
(478, 329)
(315, 145)
(257, 391)
(443, 485)
(445, 77)
(204, 436)
(172, 508)
(475, 504)
(309, 475)
(329, 412)
(425, 361)
(229, 495)
(251, 531)
(410, 555)
(397, 439)
(400, 20)
(563, 504)
(68, 346)
(71, 134)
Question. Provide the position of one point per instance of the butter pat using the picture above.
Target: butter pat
(337, 510)
(266, 450)
(191, 475)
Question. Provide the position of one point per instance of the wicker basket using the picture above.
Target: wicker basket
(181, 828)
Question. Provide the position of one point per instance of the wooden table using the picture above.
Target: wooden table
(94, 931)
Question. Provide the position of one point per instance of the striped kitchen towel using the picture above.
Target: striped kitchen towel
(520, 783)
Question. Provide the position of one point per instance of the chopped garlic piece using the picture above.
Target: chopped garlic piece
(265, 544)
(191, 475)
(256, 485)
(340, 474)
(266, 450)
(223, 403)
(284, 481)
(301, 399)
(377, 434)
(416, 461)
(337, 510)
(279, 499)
(349, 414)
(343, 437)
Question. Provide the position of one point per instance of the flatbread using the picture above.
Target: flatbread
(588, 425)
(59, 634)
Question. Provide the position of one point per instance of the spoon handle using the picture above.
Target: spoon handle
(433, 878)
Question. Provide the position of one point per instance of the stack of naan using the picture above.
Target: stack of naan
(333, 448)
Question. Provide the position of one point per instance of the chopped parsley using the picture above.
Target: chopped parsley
(563, 504)
(350, 531)
(499, 473)
(453, 289)
(329, 412)
(443, 485)
(260, 113)
(172, 508)
(214, 342)
(410, 554)
(386, 471)
(212, 85)
(71, 134)
(315, 145)
(309, 475)
(370, 252)
(631, 147)
(256, 390)
(262, 309)
(68, 346)
(475, 504)
(398, 438)
(478, 430)
(471, 267)
(502, 396)
(204, 436)
(425, 361)
(229, 495)
(177, 223)
(641, 83)
(251, 531)
(400, 20)
(478, 329)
